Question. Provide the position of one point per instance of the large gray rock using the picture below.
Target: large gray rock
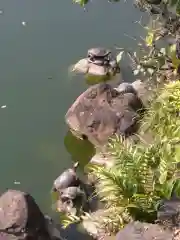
(102, 111)
(144, 231)
(21, 218)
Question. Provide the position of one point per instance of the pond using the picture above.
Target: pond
(39, 41)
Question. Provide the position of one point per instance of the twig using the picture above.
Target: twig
(133, 38)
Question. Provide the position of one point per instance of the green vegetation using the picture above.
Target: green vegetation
(146, 173)
(144, 3)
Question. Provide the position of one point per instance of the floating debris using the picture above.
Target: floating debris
(3, 106)
(24, 23)
(16, 182)
(1, 11)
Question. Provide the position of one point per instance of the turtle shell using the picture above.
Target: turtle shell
(71, 193)
(98, 52)
(66, 179)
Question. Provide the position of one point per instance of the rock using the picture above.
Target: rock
(81, 66)
(144, 91)
(97, 70)
(102, 159)
(54, 229)
(144, 231)
(169, 212)
(92, 224)
(20, 217)
(85, 67)
(101, 111)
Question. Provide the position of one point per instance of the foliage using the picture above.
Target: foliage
(176, 4)
(142, 4)
(163, 118)
(144, 174)
(66, 220)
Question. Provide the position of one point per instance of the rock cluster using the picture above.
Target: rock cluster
(102, 111)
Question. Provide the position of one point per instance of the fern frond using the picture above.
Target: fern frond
(67, 220)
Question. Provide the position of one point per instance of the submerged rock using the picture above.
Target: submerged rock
(102, 111)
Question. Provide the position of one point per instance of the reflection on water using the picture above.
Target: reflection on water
(91, 79)
(80, 150)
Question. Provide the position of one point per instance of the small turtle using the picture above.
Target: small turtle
(72, 198)
(66, 179)
(66, 207)
(71, 193)
(98, 52)
(99, 56)
(126, 88)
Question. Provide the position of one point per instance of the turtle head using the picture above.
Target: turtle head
(75, 166)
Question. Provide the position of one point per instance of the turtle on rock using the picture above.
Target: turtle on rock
(99, 62)
(67, 179)
(71, 193)
(99, 56)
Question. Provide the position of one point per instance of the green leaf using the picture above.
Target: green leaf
(149, 39)
(131, 205)
(178, 7)
(162, 171)
(173, 2)
(177, 187)
(175, 60)
(81, 2)
(167, 189)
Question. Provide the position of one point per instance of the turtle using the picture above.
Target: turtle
(126, 88)
(73, 198)
(66, 179)
(66, 207)
(71, 193)
(99, 56)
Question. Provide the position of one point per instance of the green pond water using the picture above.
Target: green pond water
(39, 40)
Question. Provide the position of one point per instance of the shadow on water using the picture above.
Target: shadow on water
(75, 232)
(80, 150)
(92, 80)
